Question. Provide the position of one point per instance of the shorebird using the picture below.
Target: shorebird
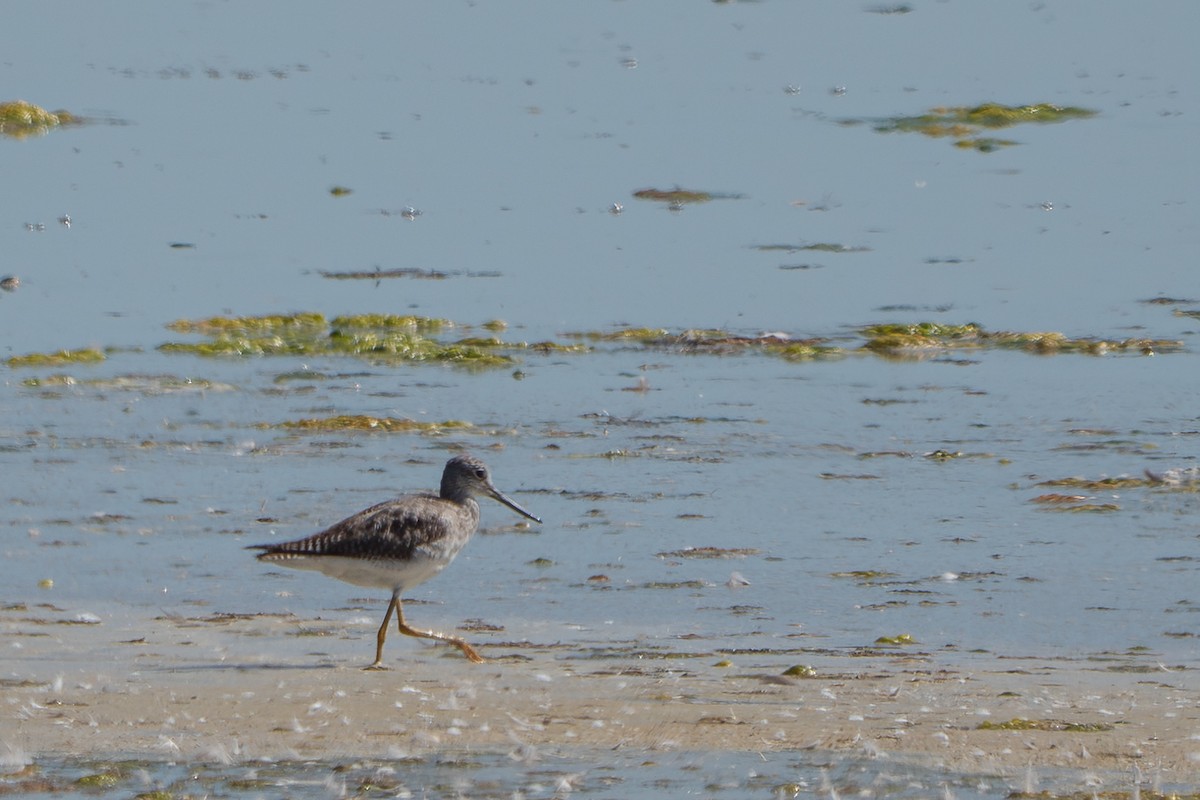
(398, 544)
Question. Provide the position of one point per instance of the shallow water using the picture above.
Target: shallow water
(131, 492)
(815, 474)
(531, 773)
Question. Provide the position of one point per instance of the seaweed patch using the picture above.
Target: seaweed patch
(966, 125)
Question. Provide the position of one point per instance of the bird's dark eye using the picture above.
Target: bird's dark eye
(480, 473)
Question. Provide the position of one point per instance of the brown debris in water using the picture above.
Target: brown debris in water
(710, 552)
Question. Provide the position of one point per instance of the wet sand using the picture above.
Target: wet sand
(239, 688)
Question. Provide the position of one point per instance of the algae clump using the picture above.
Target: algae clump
(98, 780)
(677, 196)
(61, 358)
(965, 124)
(382, 337)
(19, 119)
(391, 321)
(899, 639)
(800, 671)
(268, 324)
(1022, 724)
(907, 340)
(359, 422)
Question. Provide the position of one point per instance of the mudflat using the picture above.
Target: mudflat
(238, 688)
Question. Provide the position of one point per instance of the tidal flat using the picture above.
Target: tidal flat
(259, 703)
(858, 402)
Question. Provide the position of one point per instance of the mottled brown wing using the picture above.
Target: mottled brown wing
(389, 530)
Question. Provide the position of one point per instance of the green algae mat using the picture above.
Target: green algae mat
(387, 338)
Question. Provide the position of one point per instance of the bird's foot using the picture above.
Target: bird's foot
(378, 666)
(470, 653)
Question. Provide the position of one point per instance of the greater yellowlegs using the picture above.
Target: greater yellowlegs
(399, 543)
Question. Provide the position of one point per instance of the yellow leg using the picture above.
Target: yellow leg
(382, 635)
(403, 627)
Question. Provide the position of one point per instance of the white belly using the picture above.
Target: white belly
(372, 573)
